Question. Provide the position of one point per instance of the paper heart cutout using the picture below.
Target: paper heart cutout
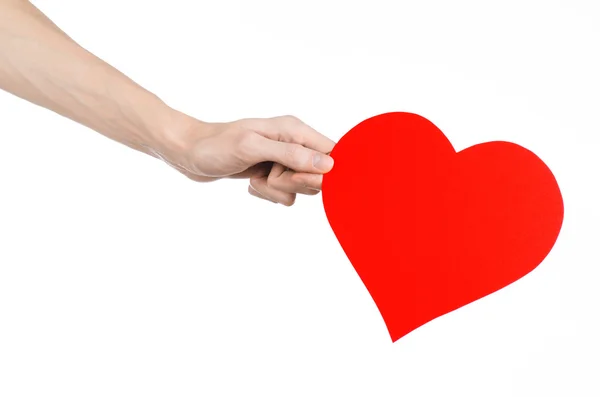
(430, 230)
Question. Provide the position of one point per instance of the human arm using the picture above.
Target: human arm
(43, 65)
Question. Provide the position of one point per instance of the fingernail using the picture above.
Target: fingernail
(322, 162)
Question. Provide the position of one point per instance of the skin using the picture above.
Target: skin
(280, 156)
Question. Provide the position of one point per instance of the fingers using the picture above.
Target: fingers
(291, 155)
(257, 170)
(255, 193)
(290, 129)
(259, 187)
(282, 156)
(289, 181)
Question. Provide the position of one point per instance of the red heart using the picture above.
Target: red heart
(430, 230)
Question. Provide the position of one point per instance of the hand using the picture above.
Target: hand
(281, 156)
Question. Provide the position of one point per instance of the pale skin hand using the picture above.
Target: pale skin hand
(281, 156)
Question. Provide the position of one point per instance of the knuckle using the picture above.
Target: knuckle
(244, 143)
(297, 136)
(295, 130)
(272, 181)
(289, 201)
(290, 119)
(298, 179)
(254, 192)
(294, 155)
(255, 184)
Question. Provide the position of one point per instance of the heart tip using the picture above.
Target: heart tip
(395, 336)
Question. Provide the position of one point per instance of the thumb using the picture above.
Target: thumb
(293, 156)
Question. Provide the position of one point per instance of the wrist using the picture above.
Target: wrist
(172, 134)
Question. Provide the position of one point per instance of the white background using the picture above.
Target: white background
(120, 277)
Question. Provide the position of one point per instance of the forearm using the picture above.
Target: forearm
(41, 64)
